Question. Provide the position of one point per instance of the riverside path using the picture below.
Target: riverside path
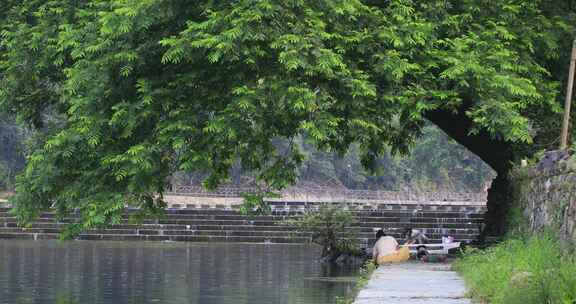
(413, 283)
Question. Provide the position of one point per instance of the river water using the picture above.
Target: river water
(84, 272)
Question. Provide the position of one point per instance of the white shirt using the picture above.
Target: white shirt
(384, 246)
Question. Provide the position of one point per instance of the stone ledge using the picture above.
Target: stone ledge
(183, 200)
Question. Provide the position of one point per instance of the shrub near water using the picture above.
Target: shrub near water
(329, 228)
(520, 271)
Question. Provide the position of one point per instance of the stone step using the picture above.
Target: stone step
(227, 225)
(183, 237)
(175, 238)
(391, 227)
(364, 241)
(264, 220)
(454, 213)
(260, 221)
(223, 214)
(179, 224)
(458, 234)
(349, 206)
(399, 227)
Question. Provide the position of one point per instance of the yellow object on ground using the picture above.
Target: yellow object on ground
(401, 255)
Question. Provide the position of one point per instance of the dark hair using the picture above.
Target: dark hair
(421, 252)
(380, 233)
(408, 233)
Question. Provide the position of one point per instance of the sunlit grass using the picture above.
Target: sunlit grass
(533, 270)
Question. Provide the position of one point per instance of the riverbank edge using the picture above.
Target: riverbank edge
(366, 272)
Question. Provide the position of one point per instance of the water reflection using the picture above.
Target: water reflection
(114, 272)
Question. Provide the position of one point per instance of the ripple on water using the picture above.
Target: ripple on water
(48, 272)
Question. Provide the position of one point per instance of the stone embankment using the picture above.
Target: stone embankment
(182, 195)
(217, 223)
(546, 195)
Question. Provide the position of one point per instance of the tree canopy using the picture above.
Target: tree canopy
(149, 87)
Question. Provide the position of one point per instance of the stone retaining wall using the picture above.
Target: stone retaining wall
(547, 197)
(340, 195)
(182, 200)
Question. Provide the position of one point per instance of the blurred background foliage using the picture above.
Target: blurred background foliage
(436, 162)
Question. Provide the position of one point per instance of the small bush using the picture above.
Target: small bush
(526, 271)
(328, 228)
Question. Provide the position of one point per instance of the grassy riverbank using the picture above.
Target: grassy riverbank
(531, 270)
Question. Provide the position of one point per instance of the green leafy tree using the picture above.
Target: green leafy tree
(149, 87)
(329, 227)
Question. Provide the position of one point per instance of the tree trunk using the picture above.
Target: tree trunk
(330, 253)
(497, 153)
(499, 204)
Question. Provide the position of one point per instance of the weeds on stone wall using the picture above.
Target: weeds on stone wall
(522, 270)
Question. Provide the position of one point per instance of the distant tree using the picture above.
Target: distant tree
(440, 161)
(434, 162)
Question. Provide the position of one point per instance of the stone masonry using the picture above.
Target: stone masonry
(546, 194)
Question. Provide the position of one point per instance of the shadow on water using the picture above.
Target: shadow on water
(172, 273)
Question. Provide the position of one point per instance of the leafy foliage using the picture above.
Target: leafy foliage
(148, 87)
(531, 270)
(254, 203)
(329, 228)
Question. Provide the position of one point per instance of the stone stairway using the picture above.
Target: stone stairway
(226, 224)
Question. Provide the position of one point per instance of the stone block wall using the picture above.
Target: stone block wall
(546, 196)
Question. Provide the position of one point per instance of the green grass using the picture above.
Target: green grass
(532, 270)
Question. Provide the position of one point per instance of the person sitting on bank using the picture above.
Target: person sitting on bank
(414, 236)
(417, 237)
(387, 250)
